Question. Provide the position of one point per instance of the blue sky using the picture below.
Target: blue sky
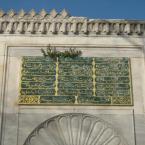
(104, 9)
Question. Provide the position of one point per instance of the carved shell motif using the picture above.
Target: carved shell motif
(74, 129)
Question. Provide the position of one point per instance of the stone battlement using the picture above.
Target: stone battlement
(63, 23)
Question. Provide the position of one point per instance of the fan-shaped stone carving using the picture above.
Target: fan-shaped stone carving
(74, 129)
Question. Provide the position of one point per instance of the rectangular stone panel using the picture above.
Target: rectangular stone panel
(79, 81)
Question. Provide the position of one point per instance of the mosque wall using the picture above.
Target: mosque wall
(18, 121)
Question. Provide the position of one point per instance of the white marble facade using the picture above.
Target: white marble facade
(24, 35)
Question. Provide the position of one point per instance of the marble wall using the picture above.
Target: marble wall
(18, 121)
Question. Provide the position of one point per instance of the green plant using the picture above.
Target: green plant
(54, 54)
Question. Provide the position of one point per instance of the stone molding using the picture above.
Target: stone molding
(62, 23)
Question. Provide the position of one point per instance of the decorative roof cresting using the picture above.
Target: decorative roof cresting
(62, 23)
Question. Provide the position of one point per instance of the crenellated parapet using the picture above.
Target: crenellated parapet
(63, 24)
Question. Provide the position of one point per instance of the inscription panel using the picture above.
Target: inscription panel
(79, 81)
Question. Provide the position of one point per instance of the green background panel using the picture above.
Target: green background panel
(79, 81)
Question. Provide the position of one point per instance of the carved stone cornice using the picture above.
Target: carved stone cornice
(62, 23)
